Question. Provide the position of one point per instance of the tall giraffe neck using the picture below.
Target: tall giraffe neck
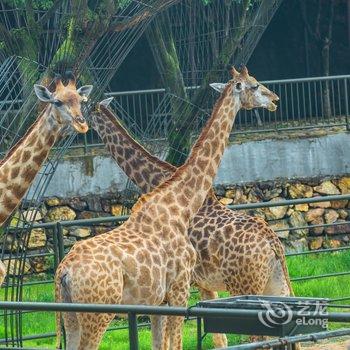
(144, 169)
(23, 162)
(189, 185)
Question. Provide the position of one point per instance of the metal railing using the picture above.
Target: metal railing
(59, 250)
(316, 102)
(198, 312)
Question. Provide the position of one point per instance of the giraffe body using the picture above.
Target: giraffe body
(236, 252)
(24, 160)
(150, 258)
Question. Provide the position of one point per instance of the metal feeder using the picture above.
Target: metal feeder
(275, 318)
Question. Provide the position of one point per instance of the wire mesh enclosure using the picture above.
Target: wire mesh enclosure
(39, 40)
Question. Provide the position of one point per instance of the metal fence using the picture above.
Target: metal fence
(317, 102)
(57, 229)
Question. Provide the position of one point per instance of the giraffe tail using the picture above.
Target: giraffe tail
(62, 294)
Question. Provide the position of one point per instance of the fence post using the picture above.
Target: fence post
(133, 336)
(347, 117)
(199, 333)
(60, 241)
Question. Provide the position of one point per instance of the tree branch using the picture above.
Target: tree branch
(47, 15)
(144, 15)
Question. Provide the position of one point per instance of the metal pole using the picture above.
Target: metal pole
(199, 333)
(60, 241)
(346, 105)
(133, 335)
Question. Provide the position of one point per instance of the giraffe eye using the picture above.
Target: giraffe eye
(58, 103)
(239, 86)
(255, 87)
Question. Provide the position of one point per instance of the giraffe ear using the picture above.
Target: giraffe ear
(85, 91)
(43, 93)
(218, 86)
(106, 101)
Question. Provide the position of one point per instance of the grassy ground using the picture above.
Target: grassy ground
(308, 265)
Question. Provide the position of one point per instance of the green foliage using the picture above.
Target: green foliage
(37, 4)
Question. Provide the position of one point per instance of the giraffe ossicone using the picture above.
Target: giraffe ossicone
(24, 160)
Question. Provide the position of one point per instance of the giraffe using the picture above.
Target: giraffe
(24, 159)
(236, 252)
(150, 258)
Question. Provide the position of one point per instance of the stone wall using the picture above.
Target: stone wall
(286, 217)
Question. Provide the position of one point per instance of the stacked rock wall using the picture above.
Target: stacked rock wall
(282, 219)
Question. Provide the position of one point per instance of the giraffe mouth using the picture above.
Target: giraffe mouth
(80, 125)
(271, 107)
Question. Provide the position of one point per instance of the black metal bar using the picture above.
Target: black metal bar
(327, 275)
(290, 202)
(199, 333)
(290, 340)
(133, 334)
(160, 310)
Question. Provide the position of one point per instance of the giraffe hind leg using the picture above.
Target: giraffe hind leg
(219, 340)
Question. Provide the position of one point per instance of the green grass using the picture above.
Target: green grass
(306, 265)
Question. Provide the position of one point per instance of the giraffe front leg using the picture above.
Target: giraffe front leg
(219, 340)
(160, 341)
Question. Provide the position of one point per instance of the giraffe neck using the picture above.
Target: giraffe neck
(145, 170)
(190, 184)
(24, 160)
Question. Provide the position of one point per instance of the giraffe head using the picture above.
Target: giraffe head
(250, 92)
(66, 102)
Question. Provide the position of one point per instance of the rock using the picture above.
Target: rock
(339, 204)
(10, 243)
(98, 230)
(327, 187)
(224, 201)
(315, 243)
(53, 201)
(33, 214)
(313, 214)
(331, 216)
(331, 243)
(94, 203)
(297, 246)
(325, 204)
(15, 269)
(77, 203)
(299, 190)
(37, 238)
(280, 225)
(68, 241)
(41, 264)
(338, 229)
(275, 213)
(80, 232)
(240, 197)
(272, 193)
(255, 195)
(16, 220)
(344, 185)
(302, 207)
(343, 214)
(230, 193)
(60, 214)
(91, 214)
(317, 231)
(117, 209)
(297, 220)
